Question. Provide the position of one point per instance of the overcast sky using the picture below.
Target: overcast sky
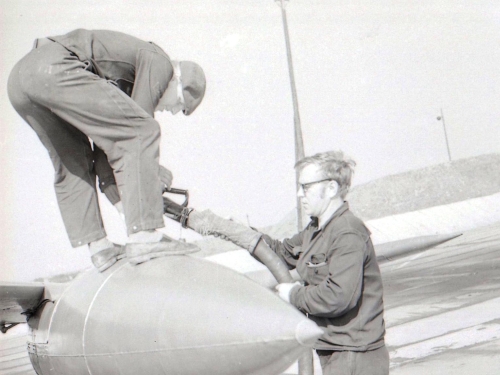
(372, 78)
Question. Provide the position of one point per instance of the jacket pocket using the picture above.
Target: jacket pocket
(317, 268)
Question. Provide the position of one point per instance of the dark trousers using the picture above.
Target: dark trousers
(373, 362)
(66, 104)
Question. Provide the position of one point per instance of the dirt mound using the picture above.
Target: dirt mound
(432, 186)
(436, 185)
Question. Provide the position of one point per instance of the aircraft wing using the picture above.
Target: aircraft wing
(16, 298)
(442, 307)
(391, 250)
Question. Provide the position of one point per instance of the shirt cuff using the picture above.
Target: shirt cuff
(111, 192)
(293, 294)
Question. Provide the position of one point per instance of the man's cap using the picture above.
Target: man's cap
(193, 85)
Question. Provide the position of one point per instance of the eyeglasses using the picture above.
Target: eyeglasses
(306, 186)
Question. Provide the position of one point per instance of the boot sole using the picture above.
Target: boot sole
(106, 265)
(139, 253)
(144, 258)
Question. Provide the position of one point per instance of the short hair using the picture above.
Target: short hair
(334, 165)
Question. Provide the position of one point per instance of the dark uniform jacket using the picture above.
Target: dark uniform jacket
(140, 69)
(343, 286)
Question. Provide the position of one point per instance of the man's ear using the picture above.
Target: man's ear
(333, 189)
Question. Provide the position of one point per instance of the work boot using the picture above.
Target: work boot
(107, 257)
(138, 252)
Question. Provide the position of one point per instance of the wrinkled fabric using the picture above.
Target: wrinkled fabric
(373, 362)
(58, 93)
(140, 69)
(343, 286)
(207, 223)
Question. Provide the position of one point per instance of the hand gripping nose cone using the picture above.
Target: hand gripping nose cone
(173, 315)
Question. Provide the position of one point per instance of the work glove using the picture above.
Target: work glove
(284, 290)
(166, 177)
(224, 237)
(267, 239)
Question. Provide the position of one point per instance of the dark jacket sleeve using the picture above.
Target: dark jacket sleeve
(288, 250)
(153, 72)
(340, 291)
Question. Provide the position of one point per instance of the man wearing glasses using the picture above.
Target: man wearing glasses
(341, 287)
(106, 86)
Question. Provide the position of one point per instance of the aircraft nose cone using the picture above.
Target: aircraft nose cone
(307, 332)
(175, 314)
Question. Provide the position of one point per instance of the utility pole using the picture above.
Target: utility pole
(445, 134)
(305, 362)
(299, 142)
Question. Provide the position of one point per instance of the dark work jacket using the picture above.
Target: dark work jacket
(343, 286)
(140, 69)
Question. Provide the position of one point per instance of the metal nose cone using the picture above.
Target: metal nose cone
(175, 314)
(307, 332)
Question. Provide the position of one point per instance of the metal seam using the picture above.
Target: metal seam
(86, 321)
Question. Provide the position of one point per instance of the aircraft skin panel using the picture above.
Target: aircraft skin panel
(16, 298)
(456, 277)
(172, 312)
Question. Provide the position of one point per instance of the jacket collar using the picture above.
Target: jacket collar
(343, 208)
